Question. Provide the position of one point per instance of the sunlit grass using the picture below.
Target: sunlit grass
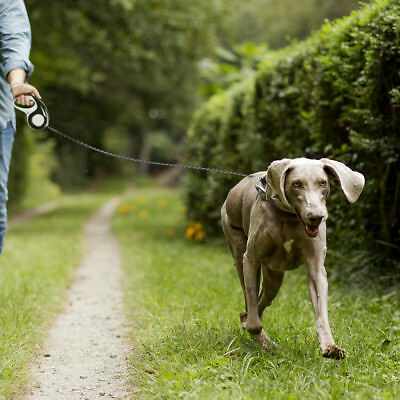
(184, 298)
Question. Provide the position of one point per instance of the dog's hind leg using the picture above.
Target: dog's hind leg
(272, 281)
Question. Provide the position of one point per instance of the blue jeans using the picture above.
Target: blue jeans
(6, 144)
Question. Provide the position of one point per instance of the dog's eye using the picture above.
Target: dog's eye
(323, 183)
(297, 184)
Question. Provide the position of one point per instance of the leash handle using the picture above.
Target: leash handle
(36, 113)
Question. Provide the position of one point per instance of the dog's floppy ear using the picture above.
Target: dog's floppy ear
(276, 176)
(351, 182)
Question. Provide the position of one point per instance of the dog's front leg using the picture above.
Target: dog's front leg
(253, 322)
(250, 269)
(318, 289)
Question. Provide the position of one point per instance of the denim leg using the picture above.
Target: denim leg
(6, 144)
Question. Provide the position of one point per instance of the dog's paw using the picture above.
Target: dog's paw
(265, 341)
(334, 351)
(243, 319)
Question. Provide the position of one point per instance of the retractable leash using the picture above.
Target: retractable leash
(38, 119)
(36, 113)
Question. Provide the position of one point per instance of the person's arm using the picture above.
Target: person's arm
(15, 42)
(19, 88)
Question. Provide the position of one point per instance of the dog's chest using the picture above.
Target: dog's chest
(285, 254)
(284, 257)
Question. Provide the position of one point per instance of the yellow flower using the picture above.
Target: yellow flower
(123, 209)
(190, 232)
(197, 226)
(143, 214)
(162, 203)
(200, 235)
(194, 231)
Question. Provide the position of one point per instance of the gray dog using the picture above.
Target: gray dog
(272, 220)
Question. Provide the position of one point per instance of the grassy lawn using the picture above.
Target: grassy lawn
(184, 298)
(38, 262)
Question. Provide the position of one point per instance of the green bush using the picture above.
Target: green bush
(19, 168)
(335, 95)
(32, 161)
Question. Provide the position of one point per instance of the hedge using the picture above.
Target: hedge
(335, 95)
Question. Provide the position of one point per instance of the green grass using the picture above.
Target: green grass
(184, 298)
(37, 265)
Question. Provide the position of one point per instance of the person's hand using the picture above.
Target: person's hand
(20, 91)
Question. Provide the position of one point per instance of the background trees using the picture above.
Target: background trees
(277, 23)
(126, 75)
(117, 74)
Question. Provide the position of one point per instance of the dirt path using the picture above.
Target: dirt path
(85, 355)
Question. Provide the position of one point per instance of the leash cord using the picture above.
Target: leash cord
(138, 160)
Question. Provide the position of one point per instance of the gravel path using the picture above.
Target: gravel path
(85, 355)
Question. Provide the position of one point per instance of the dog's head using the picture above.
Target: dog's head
(301, 186)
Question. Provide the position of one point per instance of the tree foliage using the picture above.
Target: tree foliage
(124, 74)
(126, 65)
(278, 22)
(247, 29)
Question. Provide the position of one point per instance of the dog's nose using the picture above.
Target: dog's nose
(314, 219)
